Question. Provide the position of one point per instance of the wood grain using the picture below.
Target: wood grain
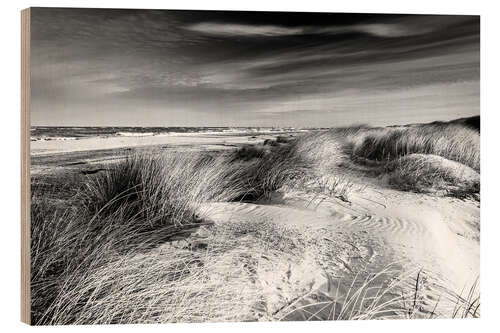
(25, 166)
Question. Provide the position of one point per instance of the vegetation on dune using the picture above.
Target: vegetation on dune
(169, 284)
(440, 156)
(249, 152)
(165, 189)
(386, 294)
(95, 239)
(454, 142)
(123, 276)
(135, 206)
(160, 189)
(428, 173)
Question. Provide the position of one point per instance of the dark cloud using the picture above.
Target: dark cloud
(409, 26)
(152, 67)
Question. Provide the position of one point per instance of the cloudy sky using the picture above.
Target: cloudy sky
(207, 68)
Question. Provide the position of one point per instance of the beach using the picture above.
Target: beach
(339, 230)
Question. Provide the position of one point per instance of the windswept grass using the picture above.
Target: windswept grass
(451, 141)
(326, 149)
(162, 189)
(168, 285)
(312, 159)
(171, 283)
(440, 157)
(136, 206)
(428, 173)
(96, 247)
(387, 294)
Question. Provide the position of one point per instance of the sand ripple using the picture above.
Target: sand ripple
(349, 241)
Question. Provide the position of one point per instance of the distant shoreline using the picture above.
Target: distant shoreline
(207, 140)
(42, 133)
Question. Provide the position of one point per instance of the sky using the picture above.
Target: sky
(104, 67)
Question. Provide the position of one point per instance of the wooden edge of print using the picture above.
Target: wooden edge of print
(25, 167)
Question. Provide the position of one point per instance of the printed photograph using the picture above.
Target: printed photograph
(211, 166)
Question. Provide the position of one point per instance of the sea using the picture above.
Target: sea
(38, 133)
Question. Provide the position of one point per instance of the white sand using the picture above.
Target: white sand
(379, 226)
(438, 235)
(47, 147)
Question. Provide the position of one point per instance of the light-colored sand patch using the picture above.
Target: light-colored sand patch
(47, 147)
(390, 226)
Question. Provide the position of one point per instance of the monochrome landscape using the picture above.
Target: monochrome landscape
(207, 166)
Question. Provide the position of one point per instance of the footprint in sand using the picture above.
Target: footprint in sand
(417, 236)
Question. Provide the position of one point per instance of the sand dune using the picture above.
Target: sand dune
(381, 226)
(295, 230)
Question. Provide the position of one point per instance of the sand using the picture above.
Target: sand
(219, 140)
(93, 152)
(377, 229)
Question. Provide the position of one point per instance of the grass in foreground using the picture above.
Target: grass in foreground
(387, 294)
(96, 253)
(136, 206)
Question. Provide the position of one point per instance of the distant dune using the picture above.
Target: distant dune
(473, 122)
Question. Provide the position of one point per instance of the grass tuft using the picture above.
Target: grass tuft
(134, 207)
(451, 141)
(431, 173)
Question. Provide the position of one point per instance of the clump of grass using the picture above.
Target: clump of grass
(170, 285)
(451, 141)
(50, 255)
(177, 285)
(166, 189)
(162, 189)
(266, 174)
(430, 173)
(375, 296)
(173, 283)
(134, 207)
(339, 187)
(326, 149)
(469, 305)
(387, 294)
(249, 152)
(284, 139)
(326, 187)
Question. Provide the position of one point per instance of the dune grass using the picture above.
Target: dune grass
(439, 158)
(109, 282)
(165, 285)
(136, 206)
(81, 242)
(430, 173)
(96, 252)
(387, 294)
(451, 141)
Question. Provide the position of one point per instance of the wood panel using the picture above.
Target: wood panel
(25, 166)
